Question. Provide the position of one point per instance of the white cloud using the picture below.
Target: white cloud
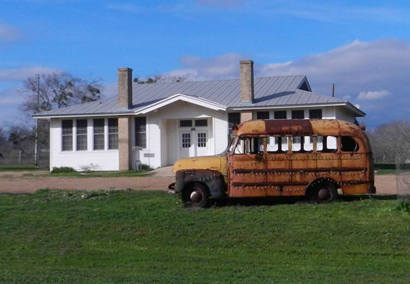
(355, 68)
(197, 68)
(19, 74)
(9, 33)
(373, 95)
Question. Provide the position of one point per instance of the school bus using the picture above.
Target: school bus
(317, 159)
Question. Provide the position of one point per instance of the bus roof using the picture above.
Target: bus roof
(299, 127)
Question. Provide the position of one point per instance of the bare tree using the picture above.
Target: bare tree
(57, 90)
(159, 79)
(391, 142)
(46, 92)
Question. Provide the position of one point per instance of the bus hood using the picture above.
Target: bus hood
(213, 163)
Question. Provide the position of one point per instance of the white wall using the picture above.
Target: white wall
(99, 160)
(344, 115)
(160, 142)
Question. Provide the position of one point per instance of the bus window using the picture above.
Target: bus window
(348, 144)
(273, 144)
(296, 144)
(249, 145)
(308, 144)
(331, 144)
(284, 144)
(319, 144)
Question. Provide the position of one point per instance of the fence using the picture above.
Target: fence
(20, 157)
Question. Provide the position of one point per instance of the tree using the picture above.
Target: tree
(159, 79)
(50, 91)
(391, 142)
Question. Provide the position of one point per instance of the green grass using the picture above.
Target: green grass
(389, 171)
(18, 168)
(59, 236)
(131, 173)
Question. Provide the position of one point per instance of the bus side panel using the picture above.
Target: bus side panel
(247, 176)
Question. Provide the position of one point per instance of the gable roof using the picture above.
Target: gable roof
(278, 91)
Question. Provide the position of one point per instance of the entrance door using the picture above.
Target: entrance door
(186, 145)
(193, 138)
(201, 146)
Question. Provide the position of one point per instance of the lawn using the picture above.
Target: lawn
(129, 236)
(18, 168)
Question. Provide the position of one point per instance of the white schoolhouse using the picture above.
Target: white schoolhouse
(159, 123)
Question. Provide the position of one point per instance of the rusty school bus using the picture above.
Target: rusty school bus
(318, 159)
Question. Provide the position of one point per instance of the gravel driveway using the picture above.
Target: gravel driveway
(15, 182)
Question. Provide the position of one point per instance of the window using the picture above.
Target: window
(331, 144)
(249, 145)
(298, 114)
(308, 144)
(185, 123)
(262, 115)
(284, 144)
(234, 118)
(141, 132)
(81, 134)
(186, 140)
(273, 144)
(67, 135)
(99, 134)
(315, 113)
(280, 114)
(201, 139)
(348, 144)
(112, 133)
(296, 144)
(319, 143)
(327, 144)
(201, 123)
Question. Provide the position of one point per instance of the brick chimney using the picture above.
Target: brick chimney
(125, 87)
(246, 77)
(124, 122)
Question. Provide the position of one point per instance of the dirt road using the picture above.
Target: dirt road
(15, 182)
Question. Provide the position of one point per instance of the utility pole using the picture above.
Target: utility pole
(333, 89)
(36, 133)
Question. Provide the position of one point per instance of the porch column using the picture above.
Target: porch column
(246, 115)
(124, 143)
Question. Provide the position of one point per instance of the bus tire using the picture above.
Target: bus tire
(323, 192)
(195, 195)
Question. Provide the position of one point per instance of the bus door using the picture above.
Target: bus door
(247, 168)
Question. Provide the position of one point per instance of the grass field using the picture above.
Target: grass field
(18, 168)
(54, 236)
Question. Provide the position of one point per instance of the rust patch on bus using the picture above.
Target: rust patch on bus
(289, 127)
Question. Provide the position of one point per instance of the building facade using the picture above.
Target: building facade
(159, 123)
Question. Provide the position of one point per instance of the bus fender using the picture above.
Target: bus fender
(214, 180)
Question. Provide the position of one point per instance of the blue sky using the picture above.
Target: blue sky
(362, 46)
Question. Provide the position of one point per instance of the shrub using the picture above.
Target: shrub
(59, 170)
(144, 167)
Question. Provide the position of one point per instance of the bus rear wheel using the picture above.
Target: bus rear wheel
(196, 195)
(323, 192)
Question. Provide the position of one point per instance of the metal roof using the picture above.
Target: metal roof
(268, 92)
